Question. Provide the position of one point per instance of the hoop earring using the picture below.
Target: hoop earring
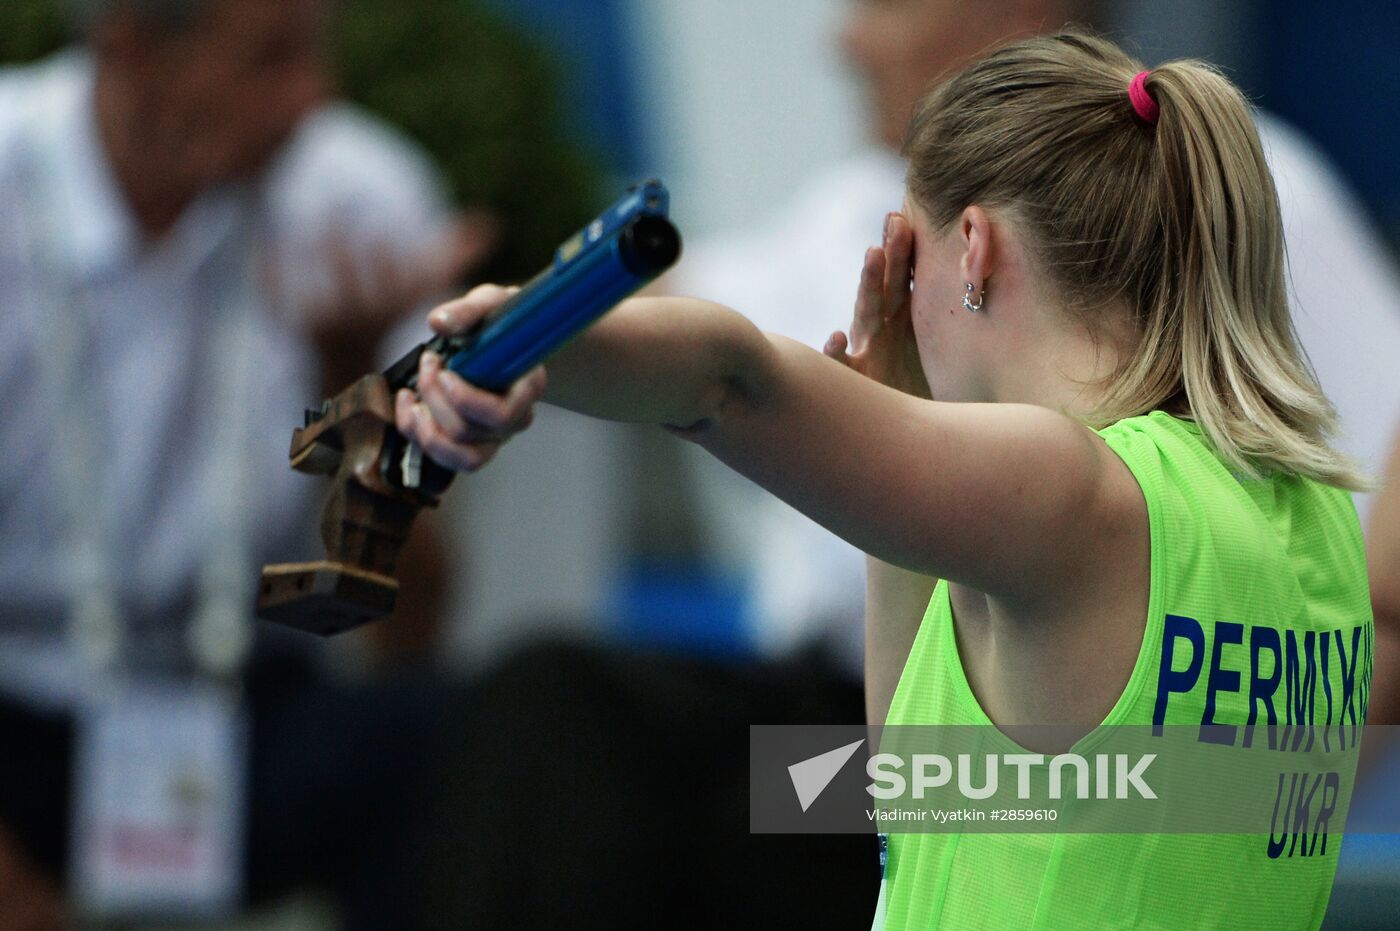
(967, 299)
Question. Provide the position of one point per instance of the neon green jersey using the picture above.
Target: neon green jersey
(1258, 577)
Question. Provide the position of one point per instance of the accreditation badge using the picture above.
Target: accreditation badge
(158, 809)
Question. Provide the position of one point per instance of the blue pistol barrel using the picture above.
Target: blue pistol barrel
(626, 247)
(577, 289)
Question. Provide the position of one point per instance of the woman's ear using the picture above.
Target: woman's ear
(975, 238)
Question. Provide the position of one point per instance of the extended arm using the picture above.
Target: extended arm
(969, 491)
(672, 361)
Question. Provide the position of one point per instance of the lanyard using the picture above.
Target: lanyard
(220, 632)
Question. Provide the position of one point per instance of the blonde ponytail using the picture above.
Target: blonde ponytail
(1176, 218)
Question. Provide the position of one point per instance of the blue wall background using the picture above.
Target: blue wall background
(593, 41)
(1331, 70)
(1327, 68)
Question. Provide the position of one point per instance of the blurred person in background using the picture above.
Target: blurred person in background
(1383, 555)
(1367, 892)
(195, 242)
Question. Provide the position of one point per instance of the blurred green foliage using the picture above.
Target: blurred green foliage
(484, 101)
(479, 95)
(30, 29)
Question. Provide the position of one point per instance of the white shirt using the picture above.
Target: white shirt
(797, 276)
(147, 315)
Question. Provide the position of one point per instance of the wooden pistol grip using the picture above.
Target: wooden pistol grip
(364, 524)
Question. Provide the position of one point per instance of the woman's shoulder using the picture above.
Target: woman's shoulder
(1179, 470)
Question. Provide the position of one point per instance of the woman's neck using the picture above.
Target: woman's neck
(1064, 366)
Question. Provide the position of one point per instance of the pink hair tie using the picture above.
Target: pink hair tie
(1143, 105)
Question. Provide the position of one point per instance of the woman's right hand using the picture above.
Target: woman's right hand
(881, 345)
(458, 424)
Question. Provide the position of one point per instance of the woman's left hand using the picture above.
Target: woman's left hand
(881, 345)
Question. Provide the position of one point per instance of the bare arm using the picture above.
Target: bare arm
(973, 492)
(673, 361)
(882, 347)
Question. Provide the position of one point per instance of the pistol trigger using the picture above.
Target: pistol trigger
(411, 466)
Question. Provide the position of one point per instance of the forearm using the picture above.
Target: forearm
(665, 360)
(895, 602)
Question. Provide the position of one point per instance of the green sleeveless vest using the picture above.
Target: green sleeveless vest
(1240, 568)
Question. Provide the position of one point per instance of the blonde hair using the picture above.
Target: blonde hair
(1179, 220)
